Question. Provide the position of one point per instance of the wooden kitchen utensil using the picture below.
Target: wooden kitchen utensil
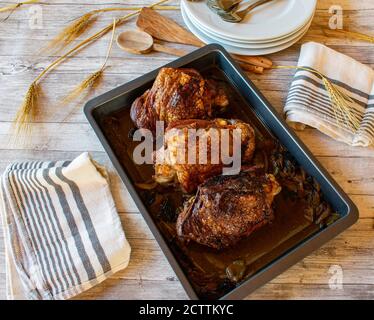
(140, 42)
(166, 29)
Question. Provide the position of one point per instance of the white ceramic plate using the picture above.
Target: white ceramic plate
(270, 21)
(246, 42)
(253, 44)
(236, 50)
(246, 45)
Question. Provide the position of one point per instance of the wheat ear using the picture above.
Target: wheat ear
(342, 104)
(94, 79)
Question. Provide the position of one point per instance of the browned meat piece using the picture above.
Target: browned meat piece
(227, 209)
(175, 95)
(177, 142)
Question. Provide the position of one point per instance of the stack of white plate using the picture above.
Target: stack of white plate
(269, 28)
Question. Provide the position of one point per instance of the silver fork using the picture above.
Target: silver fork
(228, 5)
(237, 16)
(223, 5)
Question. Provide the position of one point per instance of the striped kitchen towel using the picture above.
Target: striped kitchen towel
(61, 228)
(309, 103)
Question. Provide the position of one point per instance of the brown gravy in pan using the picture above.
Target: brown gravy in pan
(215, 273)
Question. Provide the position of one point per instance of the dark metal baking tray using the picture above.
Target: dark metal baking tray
(214, 55)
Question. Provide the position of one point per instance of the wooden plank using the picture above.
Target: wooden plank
(361, 5)
(62, 136)
(351, 251)
(313, 292)
(148, 265)
(129, 289)
(135, 290)
(362, 197)
(142, 289)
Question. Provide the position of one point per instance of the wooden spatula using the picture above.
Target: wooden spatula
(166, 29)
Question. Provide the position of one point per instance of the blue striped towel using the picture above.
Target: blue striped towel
(62, 231)
(309, 103)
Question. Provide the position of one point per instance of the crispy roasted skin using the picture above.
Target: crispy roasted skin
(178, 94)
(227, 209)
(188, 174)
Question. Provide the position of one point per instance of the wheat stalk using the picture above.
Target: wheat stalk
(27, 111)
(349, 34)
(342, 104)
(84, 22)
(72, 31)
(94, 79)
(14, 6)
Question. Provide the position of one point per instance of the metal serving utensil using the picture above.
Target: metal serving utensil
(225, 5)
(237, 16)
(213, 6)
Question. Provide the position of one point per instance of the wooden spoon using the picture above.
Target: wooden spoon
(140, 42)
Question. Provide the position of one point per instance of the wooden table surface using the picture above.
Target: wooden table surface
(56, 135)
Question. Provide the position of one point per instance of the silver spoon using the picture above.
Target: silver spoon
(237, 16)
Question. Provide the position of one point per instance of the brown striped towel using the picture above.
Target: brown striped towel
(308, 101)
(62, 231)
